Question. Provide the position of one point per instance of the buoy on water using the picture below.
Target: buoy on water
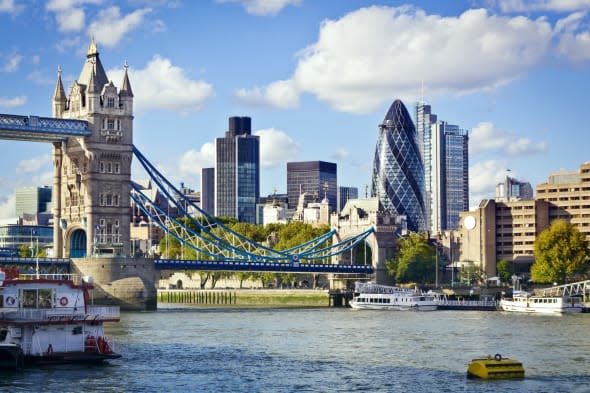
(496, 367)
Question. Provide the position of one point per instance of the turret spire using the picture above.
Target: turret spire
(126, 85)
(59, 94)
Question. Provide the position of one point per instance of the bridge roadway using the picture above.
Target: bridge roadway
(219, 265)
(41, 129)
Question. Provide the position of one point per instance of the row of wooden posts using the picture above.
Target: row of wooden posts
(197, 297)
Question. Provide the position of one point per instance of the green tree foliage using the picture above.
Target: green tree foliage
(415, 260)
(561, 251)
(504, 270)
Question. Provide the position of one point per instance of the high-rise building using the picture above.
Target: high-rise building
(398, 173)
(316, 178)
(449, 176)
(425, 119)
(444, 151)
(237, 171)
(344, 194)
(32, 200)
(513, 190)
(208, 190)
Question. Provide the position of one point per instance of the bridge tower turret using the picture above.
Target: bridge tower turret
(92, 175)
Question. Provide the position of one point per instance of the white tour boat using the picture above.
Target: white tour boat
(522, 301)
(48, 319)
(371, 296)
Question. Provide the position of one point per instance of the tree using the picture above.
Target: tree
(560, 252)
(504, 270)
(415, 260)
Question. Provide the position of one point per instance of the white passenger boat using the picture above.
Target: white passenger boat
(371, 296)
(522, 301)
(48, 319)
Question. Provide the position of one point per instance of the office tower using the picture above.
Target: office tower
(444, 152)
(237, 171)
(424, 121)
(513, 190)
(32, 200)
(317, 179)
(449, 176)
(398, 173)
(344, 194)
(208, 190)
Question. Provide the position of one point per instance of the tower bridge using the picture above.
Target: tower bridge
(91, 133)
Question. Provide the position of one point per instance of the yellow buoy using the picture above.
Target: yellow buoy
(495, 367)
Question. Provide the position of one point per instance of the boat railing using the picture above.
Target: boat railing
(75, 278)
(465, 303)
(368, 287)
(65, 314)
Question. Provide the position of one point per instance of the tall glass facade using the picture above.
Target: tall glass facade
(456, 147)
(237, 171)
(398, 172)
(425, 119)
(316, 178)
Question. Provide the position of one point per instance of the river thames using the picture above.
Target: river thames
(324, 350)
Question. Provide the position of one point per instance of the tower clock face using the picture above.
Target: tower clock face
(469, 222)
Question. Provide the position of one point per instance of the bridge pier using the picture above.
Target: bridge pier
(127, 282)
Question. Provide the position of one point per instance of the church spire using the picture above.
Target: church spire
(92, 48)
(126, 86)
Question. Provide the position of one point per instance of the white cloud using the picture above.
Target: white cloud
(67, 43)
(12, 102)
(263, 7)
(574, 42)
(486, 137)
(276, 147)
(192, 161)
(365, 58)
(281, 94)
(36, 59)
(483, 177)
(69, 14)
(341, 154)
(543, 5)
(8, 206)
(161, 85)
(40, 78)
(33, 164)
(12, 63)
(111, 26)
(9, 6)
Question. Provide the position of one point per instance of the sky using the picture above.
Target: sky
(316, 77)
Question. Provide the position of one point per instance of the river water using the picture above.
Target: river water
(324, 350)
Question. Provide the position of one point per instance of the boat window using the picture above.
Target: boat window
(3, 333)
(37, 298)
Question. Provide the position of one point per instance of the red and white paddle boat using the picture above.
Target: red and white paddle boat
(49, 318)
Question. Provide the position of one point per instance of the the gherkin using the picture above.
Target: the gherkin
(398, 172)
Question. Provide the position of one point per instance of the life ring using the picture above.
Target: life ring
(10, 300)
(498, 357)
(63, 301)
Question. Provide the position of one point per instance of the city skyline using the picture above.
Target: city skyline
(315, 77)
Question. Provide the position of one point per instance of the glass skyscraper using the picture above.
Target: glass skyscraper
(318, 179)
(398, 172)
(444, 150)
(237, 171)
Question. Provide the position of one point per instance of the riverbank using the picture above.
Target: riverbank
(246, 297)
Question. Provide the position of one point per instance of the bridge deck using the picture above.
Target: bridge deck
(41, 129)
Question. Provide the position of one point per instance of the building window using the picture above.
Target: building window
(110, 102)
(110, 124)
(117, 168)
(109, 167)
(101, 167)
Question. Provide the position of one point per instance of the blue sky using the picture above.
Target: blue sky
(316, 76)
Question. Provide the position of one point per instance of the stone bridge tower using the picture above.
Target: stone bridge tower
(357, 216)
(92, 175)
